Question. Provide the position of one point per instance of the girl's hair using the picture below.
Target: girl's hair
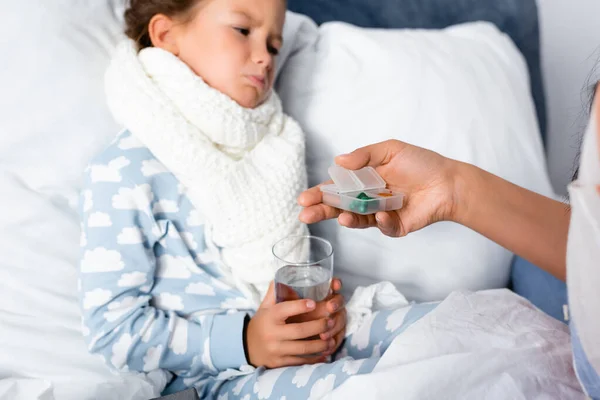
(140, 12)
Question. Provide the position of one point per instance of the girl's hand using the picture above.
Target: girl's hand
(333, 307)
(426, 178)
(336, 307)
(273, 343)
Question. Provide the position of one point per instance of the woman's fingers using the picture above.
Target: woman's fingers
(311, 197)
(356, 221)
(314, 210)
(389, 223)
(317, 213)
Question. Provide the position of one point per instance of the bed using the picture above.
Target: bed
(54, 120)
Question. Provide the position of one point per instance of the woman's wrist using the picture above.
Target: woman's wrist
(465, 180)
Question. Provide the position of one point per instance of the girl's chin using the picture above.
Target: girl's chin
(250, 100)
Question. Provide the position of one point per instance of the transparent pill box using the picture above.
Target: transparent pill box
(361, 192)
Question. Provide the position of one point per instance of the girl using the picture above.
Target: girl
(179, 213)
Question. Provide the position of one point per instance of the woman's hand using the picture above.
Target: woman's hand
(440, 189)
(425, 177)
(275, 342)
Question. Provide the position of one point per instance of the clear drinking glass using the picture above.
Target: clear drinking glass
(305, 268)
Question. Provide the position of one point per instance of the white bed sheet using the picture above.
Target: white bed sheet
(491, 345)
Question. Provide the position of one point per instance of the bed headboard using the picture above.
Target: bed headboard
(517, 18)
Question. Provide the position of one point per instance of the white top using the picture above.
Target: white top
(583, 251)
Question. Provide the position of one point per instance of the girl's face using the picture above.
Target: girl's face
(232, 44)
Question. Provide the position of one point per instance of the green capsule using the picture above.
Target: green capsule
(360, 205)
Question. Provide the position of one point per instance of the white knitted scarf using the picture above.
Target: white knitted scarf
(242, 168)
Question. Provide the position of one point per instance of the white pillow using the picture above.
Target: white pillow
(462, 91)
(53, 121)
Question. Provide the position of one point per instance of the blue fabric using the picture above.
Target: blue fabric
(358, 355)
(588, 376)
(544, 290)
(517, 18)
(230, 337)
(151, 295)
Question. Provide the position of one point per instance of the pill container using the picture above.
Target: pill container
(361, 192)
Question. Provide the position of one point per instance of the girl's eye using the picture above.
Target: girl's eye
(272, 50)
(243, 31)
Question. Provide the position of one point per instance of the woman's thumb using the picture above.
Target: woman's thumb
(374, 155)
(353, 161)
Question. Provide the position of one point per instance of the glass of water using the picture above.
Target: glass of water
(305, 268)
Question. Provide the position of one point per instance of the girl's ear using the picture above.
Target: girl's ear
(162, 32)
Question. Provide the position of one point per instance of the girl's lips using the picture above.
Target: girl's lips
(257, 80)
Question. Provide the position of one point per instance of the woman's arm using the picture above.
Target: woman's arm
(531, 225)
(441, 189)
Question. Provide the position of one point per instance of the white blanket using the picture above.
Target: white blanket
(485, 345)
